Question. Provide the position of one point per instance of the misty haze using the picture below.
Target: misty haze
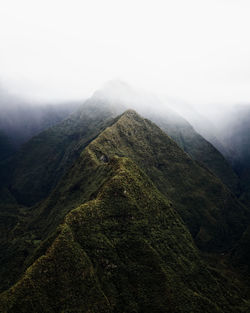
(124, 156)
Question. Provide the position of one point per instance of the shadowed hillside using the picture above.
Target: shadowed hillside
(124, 251)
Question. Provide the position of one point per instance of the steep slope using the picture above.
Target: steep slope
(197, 147)
(41, 162)
(213, 215)
(126, 250)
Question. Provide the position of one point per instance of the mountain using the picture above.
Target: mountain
(212, 213)
(21, 119)
(42, 161)
(235, 133)
(200, 121)
(215, 218)
(126, 250)
(118, 229)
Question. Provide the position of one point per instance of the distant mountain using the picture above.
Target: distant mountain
(21, 119)
(234, 132)
(197, 147)
(122, 247)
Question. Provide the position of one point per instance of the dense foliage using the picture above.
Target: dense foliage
(125, 251)
(123, 211)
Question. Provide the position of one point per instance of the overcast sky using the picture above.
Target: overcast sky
(196, 50)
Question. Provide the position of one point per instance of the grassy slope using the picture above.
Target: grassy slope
(127, 250)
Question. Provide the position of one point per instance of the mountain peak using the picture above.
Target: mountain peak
(130, 113)
(119, 92)
(114, 90)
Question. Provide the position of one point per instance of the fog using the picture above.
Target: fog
(21, 117)
(197, 51)
(189, 57)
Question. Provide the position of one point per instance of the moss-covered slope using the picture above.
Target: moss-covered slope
(124, 251)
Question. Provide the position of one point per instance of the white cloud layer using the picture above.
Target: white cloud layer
(195, 50)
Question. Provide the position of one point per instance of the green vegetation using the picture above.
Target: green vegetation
(124, 209)
(125, 251)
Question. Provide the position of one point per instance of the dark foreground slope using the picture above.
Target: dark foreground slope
(124, 251)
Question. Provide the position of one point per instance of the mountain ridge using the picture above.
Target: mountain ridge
(201, 199)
